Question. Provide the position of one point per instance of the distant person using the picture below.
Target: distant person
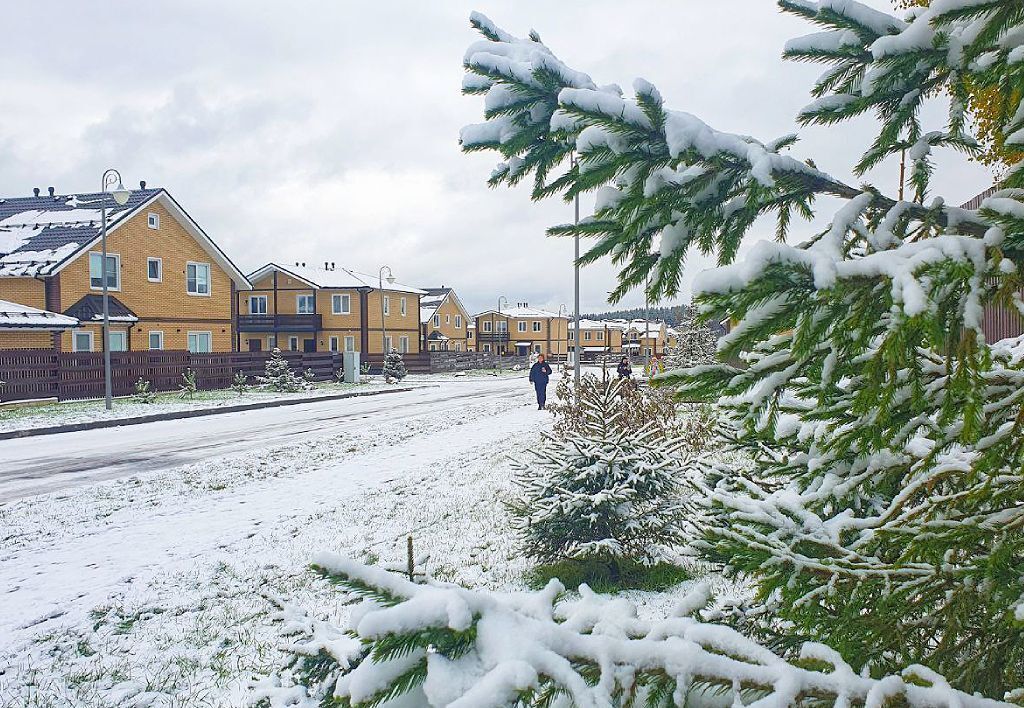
(539, 375)
(624, 369)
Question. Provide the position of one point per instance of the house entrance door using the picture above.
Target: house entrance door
(309, 345)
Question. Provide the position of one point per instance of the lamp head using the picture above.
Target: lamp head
(390, 278)
(121, 194)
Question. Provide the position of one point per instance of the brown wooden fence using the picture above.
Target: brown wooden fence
(44, 373)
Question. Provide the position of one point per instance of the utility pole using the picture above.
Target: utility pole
(576, 288)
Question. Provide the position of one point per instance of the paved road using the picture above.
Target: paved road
(37, 465)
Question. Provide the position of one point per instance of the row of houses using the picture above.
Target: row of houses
(171, 287)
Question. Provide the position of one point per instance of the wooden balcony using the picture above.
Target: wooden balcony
(280, 323)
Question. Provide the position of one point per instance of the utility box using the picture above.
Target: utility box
(350, 366)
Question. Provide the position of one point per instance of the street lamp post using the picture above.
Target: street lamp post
(497, 334)
(576, 286)
(383, 324)
(562, 308)
(111, 178)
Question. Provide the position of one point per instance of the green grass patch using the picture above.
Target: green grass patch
(601, 578)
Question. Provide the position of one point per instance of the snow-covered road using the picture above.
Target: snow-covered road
(30, 466)
(133, 591)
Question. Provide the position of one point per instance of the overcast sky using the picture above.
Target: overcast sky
(328, 131)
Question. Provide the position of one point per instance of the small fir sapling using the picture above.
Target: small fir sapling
(394, 368)
(278, 375)
(240, 384)
(188, 386)
(309, 376)
(143, 392)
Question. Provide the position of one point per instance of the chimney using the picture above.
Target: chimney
(142, 184)
(326, 264)
(332, 265)
(51, 190)
(35, 191)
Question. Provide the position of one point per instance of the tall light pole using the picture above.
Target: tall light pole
(111, 178)
(647, 318)
(383, 325)
(562, 308)
(576, 285)
(497, 345)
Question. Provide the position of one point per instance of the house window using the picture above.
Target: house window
(341, 304)
(447, 319)
(118, 341)
(487, 326)
(156, 340)
(293, 343)
(96, 271)
(437, 320)
(350, 344)
(487, 348)
(503, 326)
(387, 305)
(458, 346)
(197, 278)
(433, 347)
(200, 342)
(600, 336)
(572, 335)
(403, 306)
(305, 304)
(257, 304)
(536, 349)
(154, 269)
(334, 344)
(81, 341)
(522, 326)
(458, 321)
(586, 336)
(387, 344)
(271, 342)
(153, 220)
(403, 345)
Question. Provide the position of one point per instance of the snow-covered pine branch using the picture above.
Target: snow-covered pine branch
(442, 645)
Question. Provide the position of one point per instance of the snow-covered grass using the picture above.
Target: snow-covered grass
(70, 412)
(152, 591)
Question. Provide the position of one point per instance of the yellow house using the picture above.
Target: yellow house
(522, 330)
(169, 285)
(329, 308)
(445, 321)
(597, 337)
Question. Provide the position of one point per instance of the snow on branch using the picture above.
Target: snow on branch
(443, 645)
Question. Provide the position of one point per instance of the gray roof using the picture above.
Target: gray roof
(39, 233)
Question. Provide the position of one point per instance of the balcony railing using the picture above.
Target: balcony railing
(492, 336)
(279, 323)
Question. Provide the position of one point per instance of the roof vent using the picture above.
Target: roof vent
(35, 191)
(303, 264)
(51, 190)
(332, 265)
(142, 184)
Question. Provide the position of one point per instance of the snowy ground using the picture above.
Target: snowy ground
(149, 589)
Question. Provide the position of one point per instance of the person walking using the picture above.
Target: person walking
(624, 370)
(539, 375)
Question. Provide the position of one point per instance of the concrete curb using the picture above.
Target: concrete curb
(198, 413)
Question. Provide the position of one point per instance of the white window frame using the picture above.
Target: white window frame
(350, 343)
(159, 269)
(536, 349)
(259, 298)
(149, 340)
(333, 344)
(536, 326)
(458, 321)
(153, 220)
(301, 298)
(458, 346)
(209, 279)
(502, 326)
(447, 319)
(403, 345)
(387, 306)
(600, 335)
(117, 270)
(123, 336)
(586, 336)
(197, 334)
(487, 348)
(271, 342)
(341, 304)
(74, 340)
(389, 344)
(403, 306)
(437, 320)
(293, 344)
(487, 325)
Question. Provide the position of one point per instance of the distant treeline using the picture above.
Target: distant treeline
(671, 315)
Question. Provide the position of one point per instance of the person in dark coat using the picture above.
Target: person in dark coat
(539, 375)
(624, 369)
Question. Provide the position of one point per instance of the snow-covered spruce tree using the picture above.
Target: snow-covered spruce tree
(444, 646)
(884, 513)
(394, 367)
(143, 392)
(696, 345)
(278, 375)
(597, 406)
(189, 385)
(606, 495)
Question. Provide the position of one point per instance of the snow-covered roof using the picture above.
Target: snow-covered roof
(39, 235)
(331, 278)
(89, 308)
(17, 316)
(433, 300)
(523, 312)
(590, 324)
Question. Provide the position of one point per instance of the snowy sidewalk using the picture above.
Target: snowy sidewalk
(136, 586)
